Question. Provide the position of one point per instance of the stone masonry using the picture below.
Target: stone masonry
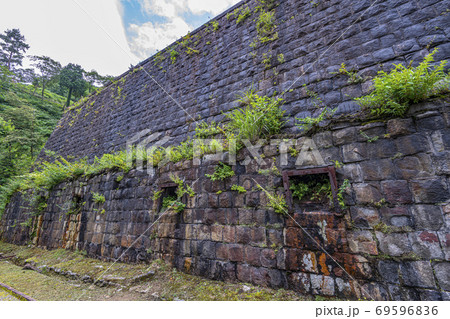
(390, 243)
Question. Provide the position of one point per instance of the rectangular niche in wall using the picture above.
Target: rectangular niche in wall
(168, 196)
(311, 190)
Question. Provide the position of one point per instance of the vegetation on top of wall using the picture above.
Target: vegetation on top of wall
(260, 117)
(395, 91)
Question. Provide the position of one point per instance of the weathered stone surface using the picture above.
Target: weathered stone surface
(364, 217)
(362, 242)
(418, 274)
(442, 271)
(428, 217)
(229, 236)
(426, 245)
(397, 127)
(430, 191)
(389, 270)
(394, 244)
(322, 285)
(367, 193)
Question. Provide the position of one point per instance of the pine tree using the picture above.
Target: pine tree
(12, 47)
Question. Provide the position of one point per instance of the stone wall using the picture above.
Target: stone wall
(391, 242)
(167, 95)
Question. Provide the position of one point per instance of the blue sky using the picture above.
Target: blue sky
(105, 35)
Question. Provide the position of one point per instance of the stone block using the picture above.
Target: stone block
(367, 193)
(417, 274)
(243, 235)
(236, 252)
(389, 271)
(268, 258)
(442, 271)
(362, 242)
(396, 244)
(397, 192)
(299, 282)
(396, 127)
(427, 217)
(413, 167)
(217, 233)
(377, 170)
(430, 191)
(243, 273)
(252, 256)
(364, 217)
(354, 152)
(412, 144)
(229, 234)
(426, 245)
(322, 285)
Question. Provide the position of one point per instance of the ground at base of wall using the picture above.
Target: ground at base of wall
(65, 275)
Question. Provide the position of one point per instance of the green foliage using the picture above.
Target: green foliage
(71, 77)
(353, 76)
(182, 188)
(307, 123)
(239, 189)
(267, 60)
(205, 130)
(276, 201)
(215, 25)
(157, 195)
(98, 198)
(260, 117)
(395, 91)
(368, 138)
(221, 172)
(170, 202)
(119, 178)
(173, 56)
(340, 194)
(243, 15)
(280, 58)
(12, 48)
(265, 27)
(312, 187)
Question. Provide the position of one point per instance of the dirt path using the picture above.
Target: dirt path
(62, 276)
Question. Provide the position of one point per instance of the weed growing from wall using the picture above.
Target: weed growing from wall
(395, 91)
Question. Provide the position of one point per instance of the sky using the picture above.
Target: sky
(105, 35)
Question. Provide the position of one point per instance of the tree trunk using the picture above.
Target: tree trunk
(43, 89)
(68, 98)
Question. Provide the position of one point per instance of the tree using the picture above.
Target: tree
(26, 75)
(71, 77)
(48, 68)
(12, 46)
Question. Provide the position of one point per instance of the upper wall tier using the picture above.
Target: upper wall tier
(200, 76)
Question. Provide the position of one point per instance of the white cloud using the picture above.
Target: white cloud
(149, 37)
(63, 31)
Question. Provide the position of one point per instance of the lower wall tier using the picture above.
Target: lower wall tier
(390, 243)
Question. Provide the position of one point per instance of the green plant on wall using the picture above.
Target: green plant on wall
(221, 172)
(182, 188)
(173, 55)
(340, 194)
(243, 15)
(275, 201)
(393, 92)
(172, 203)
(314, 188)
(239, 189)
(98, 198)
(260, 117)
(352, 74)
